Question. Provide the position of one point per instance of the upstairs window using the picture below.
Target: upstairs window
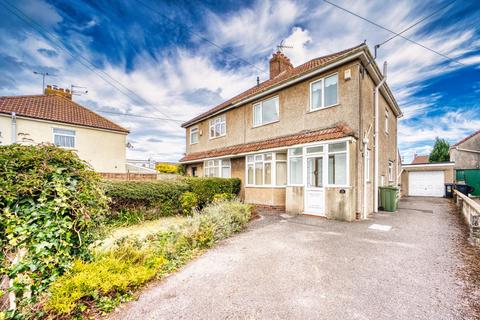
(386, 120)
(324, 92)
(194, 135)
(217, 168)
(64, 138)
(390, 171)
(218, 127)
(266, 112)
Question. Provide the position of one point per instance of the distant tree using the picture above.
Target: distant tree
(165, 167)
(440, 152)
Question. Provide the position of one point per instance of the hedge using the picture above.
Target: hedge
(154, 199)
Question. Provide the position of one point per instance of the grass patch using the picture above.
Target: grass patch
(116, 273)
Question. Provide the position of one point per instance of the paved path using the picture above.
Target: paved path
(311, 268)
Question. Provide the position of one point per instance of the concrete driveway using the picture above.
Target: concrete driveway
(312, 268)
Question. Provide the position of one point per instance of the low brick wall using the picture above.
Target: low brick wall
(129, 176)
(470, 210)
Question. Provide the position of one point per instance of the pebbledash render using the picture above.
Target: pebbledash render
(304, 140)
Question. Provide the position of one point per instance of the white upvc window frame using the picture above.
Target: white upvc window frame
(301, 157)
(64, 134)
(386, 120)
(194, 130)
(221, 164)
(260, 106)
(347, 163)
(390, 171)
(259, 158)
(323, 106)
(213, 123)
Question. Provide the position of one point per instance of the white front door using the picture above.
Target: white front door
(426, 183)
(314, 192)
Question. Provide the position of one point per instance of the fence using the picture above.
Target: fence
(470, 210)
(471, 177)
(129, 176)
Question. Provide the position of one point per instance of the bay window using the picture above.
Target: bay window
(267, 169)
(217, 127)
(266, 112)
(337, 163)
(217, 168)
(324, 92)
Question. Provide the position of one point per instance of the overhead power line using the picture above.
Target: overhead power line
(200, 36)
(416, 23)
(84, 61)
(139, 116)
(395, 33)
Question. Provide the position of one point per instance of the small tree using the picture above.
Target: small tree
(440, 152)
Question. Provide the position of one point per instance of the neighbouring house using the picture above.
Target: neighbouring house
(54, 118)
(417, 159)
(466, 155)
(304, 140)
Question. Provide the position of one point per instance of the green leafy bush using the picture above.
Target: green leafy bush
(220, 197)
(165, 167)
(116, 273)
(189, 202)
(147, 200)
(50, 201)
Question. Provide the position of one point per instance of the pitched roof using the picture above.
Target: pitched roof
(282, 77)
(340, 131)
(465, 139)
(56, 108)
(420, 159)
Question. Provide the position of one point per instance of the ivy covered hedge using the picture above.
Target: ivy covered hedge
(154, 199)
(49, 202)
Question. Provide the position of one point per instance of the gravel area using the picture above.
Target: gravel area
(304, 267)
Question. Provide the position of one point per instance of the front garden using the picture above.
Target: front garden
(75, 246)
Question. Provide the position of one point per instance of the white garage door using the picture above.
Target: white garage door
(426, 183)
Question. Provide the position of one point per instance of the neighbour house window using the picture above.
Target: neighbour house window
(194, 135)
(266, 112)
(390, 171)
(295, 163)
(218, 127)
(64, 138)
(337, 163)
(367, 165)
(217, 168)
(324, 92)
(267, 169)
(386, 120)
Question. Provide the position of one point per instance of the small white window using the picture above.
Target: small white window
(217, 127)
(390, 171)
(337, 164)
(367, 165)
(324, 92)
(266, 112)
(386, 120)
(295, 163)
(217, 168)
(194, 135)
(64, 138)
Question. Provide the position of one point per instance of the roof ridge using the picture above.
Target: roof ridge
(466, 138)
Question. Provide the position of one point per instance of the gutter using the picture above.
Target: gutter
(467, 150)
(376, 138)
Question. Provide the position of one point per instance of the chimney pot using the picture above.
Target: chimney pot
(279, 63)
(51, 90)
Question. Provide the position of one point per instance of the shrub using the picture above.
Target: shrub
(165, 167)
(116, 273)
(189, 201)
(207, 188)
(220, 197)
(50, 202)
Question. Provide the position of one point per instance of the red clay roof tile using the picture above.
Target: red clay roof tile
(56, 108)
(340, 131)
(420, 159)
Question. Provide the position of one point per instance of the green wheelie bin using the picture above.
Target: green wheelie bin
(389, 198)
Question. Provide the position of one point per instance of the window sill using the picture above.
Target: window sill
(213, 138)
(265, 124)
(265, 187)
(193, 143)
(310, 110)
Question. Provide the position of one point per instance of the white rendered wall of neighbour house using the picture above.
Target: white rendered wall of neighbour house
(104, 150)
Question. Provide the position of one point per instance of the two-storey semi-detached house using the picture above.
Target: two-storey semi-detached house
(305, 139)
(53, 118)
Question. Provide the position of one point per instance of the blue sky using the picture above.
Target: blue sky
(178, 74)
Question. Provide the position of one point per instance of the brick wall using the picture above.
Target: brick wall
(129, 176)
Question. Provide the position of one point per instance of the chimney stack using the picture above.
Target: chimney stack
(279, 63)
(52, 90)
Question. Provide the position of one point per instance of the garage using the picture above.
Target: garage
(426, 183)
(426, 179)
